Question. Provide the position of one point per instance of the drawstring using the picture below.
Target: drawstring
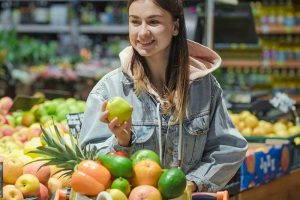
(180, 145)
(159, 132)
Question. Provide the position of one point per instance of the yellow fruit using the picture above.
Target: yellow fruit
(246, 132)
(251, 121)
(117, 194)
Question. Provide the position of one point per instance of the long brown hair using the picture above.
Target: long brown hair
(177, 74)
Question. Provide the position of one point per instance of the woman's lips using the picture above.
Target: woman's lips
(146, 44)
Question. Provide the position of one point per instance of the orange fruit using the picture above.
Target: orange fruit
(95, 170)
(146, 172)
(145, 192)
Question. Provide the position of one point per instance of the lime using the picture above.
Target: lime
(172, 183)
(121, 184)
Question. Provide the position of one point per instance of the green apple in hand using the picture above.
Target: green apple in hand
(119, 107)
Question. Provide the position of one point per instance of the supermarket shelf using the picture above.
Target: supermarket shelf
(36, 28)
(277, 29)
(108, 29)
(33, 28)
(259, 64)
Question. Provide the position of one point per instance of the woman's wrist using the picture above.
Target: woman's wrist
(128, 142)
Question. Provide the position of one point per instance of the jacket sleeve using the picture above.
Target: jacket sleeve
(95, 133)
(224, 151)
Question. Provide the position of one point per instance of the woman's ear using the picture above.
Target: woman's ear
(176, 27)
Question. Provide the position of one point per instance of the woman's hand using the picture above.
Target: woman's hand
(194, 186)
(122, 132)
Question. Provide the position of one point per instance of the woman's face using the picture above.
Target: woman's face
(151, 28)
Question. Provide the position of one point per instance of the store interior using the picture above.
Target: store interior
(53, 52)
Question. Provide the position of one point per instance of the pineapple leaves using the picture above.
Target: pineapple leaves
(63, 152)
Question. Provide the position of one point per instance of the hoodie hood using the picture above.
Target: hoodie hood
(202, 60)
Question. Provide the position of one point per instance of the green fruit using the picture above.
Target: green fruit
(121, 184)
(144, 154)
(119, 107)
(172, 183)
(118, 166)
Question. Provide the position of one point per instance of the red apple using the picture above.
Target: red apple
(29, 185)
(6, 130)
(3, 119)
(33, 132)
(42, 173)
(10, 192)
(12, 170)
(54, 184)
(43, 195)
(5, 104)
(20, 135)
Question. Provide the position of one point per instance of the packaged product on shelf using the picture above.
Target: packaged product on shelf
(263, 163)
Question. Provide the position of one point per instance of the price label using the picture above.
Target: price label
(282, 102)
(75, 122)
(1, 180)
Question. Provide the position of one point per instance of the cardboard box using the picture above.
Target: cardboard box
(263, 163)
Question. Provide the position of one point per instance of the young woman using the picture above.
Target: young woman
(178, 110)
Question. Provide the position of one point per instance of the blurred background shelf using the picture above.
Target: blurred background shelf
(104, 29)
(36, 28)
(258, 64)
(277, 29)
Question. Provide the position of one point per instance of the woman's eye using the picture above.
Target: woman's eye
(134, 22)
(154, 22)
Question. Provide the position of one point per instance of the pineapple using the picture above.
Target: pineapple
(59, 152)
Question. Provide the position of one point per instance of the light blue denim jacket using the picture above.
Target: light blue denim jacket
(207, 143)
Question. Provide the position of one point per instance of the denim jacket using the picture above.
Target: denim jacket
(207, 143)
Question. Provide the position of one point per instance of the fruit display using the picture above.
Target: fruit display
(249, 125)
(92, 173)
(20, 134)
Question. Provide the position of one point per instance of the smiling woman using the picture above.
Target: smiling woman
(178, 110)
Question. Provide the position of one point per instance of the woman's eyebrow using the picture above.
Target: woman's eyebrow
(151, 16)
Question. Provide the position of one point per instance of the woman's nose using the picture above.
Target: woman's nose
(144, 31)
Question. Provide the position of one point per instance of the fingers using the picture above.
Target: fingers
(103, 107)
(113, 124)
(103, 117)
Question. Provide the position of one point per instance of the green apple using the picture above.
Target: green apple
(144, 154)
(29, 185)
(119, 107)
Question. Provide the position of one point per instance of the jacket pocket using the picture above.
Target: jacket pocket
(145, 137)
(194, 138)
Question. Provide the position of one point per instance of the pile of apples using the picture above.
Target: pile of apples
(249, 125)
(23, 178)
(31, 180)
